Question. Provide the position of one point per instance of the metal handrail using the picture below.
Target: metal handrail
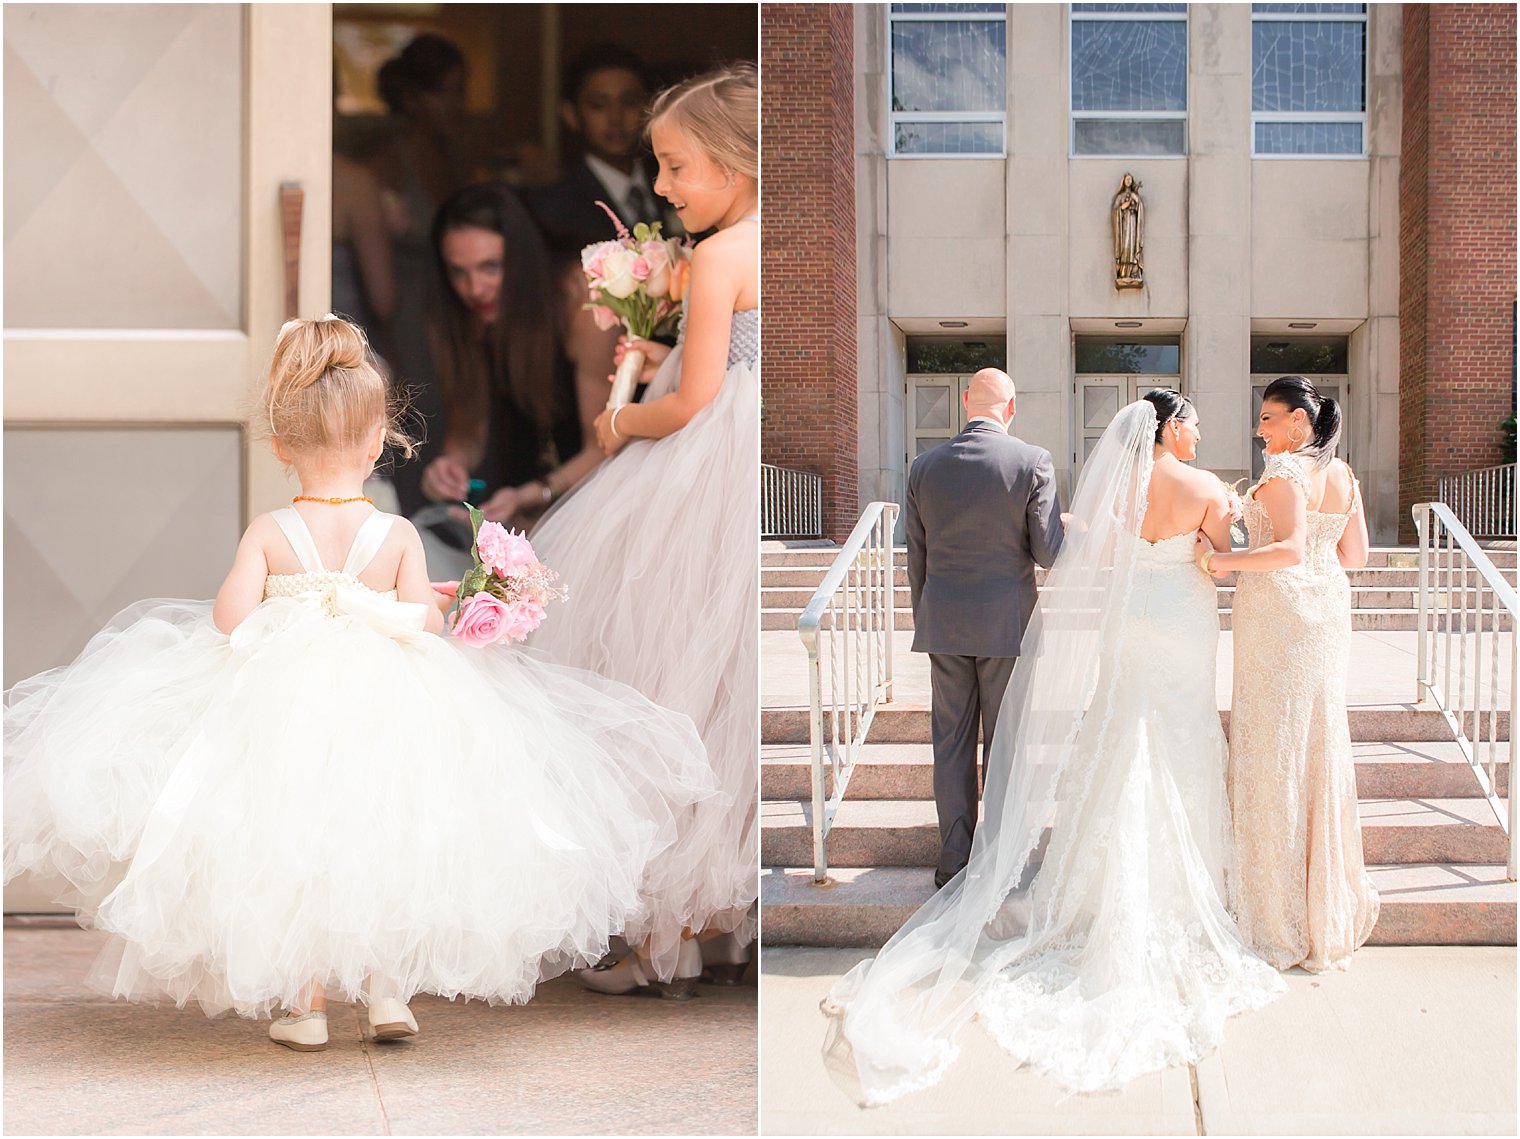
(791, 503)
(857, 596)
(1483, 500)
(1455, 575)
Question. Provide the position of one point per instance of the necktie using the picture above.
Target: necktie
(640, 208)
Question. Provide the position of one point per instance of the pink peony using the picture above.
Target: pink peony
(521, 618)
(501, 550)
(594, 258)
(483, 620)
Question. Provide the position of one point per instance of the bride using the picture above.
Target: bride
(1114, 954)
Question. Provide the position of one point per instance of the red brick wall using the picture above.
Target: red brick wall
(1457, 242)
(808, 369)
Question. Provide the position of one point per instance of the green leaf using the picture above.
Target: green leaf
(641, 233)
(473, 582)
(476, 518)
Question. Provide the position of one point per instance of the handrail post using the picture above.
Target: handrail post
(1422, 532)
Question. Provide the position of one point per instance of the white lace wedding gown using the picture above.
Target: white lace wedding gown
(658, 550)
(1120, 956)
(331, 793)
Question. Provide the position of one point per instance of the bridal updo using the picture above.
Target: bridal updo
(1298, 394)
(720, 113)
(1169, 405)
(324, 391)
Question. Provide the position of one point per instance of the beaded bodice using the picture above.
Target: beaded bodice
(744, 337)
(324, 582)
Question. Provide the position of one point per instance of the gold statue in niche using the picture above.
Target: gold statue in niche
(1129, 235)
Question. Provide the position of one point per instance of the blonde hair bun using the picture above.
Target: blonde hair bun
(324, 389)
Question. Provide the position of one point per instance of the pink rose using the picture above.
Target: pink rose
(640, 269)
(501, 550)
(656, 255)
(521, 618)
(617, 273)
(605, 318)
(483, 620)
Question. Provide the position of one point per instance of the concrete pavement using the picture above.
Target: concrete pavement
(569, 1062)
(1412, 1040)
(1382, 669)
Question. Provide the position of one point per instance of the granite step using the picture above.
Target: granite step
(904, 832)
(1422, 904)
(810, 577)
(1433, 769)
(1362, 597)
(823, 554)
(1362, 620)
(906, 722)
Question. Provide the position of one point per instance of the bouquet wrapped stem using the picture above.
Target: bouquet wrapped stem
(626, 378)
(637, 281)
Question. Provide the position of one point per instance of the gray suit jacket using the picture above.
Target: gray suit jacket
(982, 510)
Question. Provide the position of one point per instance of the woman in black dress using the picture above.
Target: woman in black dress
(522, 371)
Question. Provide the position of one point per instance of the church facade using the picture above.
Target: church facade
(1106, 198)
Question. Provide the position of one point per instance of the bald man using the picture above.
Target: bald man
(982, 511)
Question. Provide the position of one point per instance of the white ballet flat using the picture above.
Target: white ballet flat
(390, 1019)
(304, 1033)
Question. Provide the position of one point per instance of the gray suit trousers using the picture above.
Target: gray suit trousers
(966, 692)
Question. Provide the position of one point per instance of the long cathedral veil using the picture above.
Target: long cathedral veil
(896, 1016)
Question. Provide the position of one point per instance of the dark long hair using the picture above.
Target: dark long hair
(1324, 416)
(522, 343)
(1169, 405)
(421, 66)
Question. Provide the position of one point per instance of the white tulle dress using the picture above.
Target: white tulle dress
(658, 549)
(331, 794)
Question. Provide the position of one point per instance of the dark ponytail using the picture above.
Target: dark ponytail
(1295, 392)
(1169, 405)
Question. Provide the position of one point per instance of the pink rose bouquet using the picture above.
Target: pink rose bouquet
(505, 594)
(638, 281)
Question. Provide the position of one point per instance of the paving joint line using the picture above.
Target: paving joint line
(1197, 1100)
(374, 1078)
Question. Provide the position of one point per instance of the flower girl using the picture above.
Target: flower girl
(659, 545)
(300, 792)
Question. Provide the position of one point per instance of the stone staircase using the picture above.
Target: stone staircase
(1433, 846)
(1382, 595)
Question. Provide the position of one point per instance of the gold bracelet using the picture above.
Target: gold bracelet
(612, 423)
(1208, 563)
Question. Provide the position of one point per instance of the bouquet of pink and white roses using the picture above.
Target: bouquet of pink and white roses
(638, 281)
(504, 595)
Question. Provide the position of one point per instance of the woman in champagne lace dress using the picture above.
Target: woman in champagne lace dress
(1302, 895)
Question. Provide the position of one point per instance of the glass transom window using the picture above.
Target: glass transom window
(948, 93)
(1309, 79)
(1129, 79)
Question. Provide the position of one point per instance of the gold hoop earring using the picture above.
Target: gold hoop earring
(1296, 437)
